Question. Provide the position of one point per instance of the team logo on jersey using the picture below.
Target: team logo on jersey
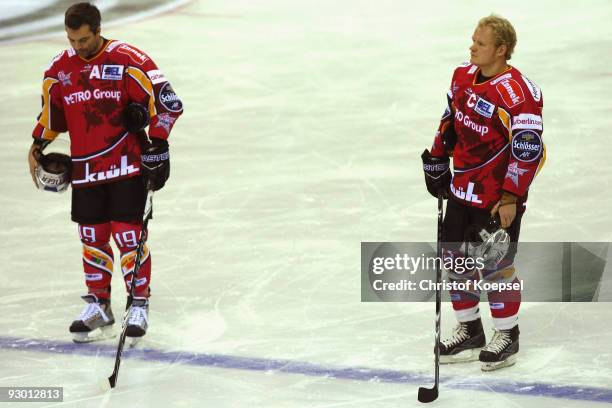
(533, 88)
(514, 172)
(112, 72)
(169, 99)
(64, 78)
(481, 106)
(511, 92)
(526, 146)
(165, 120)
(527, 121)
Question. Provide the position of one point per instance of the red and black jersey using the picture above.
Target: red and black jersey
(86, 97)
(498, 126)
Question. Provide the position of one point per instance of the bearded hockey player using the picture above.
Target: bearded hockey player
(104, 93)
(492, 129)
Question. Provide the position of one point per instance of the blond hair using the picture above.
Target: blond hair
(503, 32)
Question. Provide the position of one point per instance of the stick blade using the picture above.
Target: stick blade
(428, 394)
(112, 380)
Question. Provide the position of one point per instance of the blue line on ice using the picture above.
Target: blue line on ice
(315, 370)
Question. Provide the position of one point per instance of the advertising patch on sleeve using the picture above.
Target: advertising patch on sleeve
(526, 146)
(156, 76)
(533, 88)
(511, 92)
(137, 56)
(169, 99)
(527, 121)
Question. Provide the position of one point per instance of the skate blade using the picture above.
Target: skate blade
(101, 333)
(510, 361)
(133, 341)
(466, 356)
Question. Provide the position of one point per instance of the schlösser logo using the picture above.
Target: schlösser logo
(169, 99)
(526, 146)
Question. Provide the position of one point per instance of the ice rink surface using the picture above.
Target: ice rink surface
(304, 122)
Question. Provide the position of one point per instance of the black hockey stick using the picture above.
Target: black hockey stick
(430, 394)
(139, 251)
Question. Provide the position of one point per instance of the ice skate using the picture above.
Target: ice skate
(501, 351)
(95, 322)
(137, 320)
(465, 343)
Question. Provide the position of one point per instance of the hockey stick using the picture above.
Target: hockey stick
(430, 394)
(139, 251)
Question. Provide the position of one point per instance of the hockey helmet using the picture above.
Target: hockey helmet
(53, 172)
(490, 242)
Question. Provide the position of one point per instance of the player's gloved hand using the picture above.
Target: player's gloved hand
(437, 174)
(135, 117)
(155, 163)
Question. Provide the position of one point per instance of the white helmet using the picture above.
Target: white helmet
(491, 243)
(53, 172)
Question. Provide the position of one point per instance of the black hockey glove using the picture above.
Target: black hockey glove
(155, 161)
(437, 174)
(135, 117)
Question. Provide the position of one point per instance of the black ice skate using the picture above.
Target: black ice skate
(501, 351)
(95, 321)
(138, 319)
(465, 343)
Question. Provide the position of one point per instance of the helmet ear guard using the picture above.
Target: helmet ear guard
(53, 172)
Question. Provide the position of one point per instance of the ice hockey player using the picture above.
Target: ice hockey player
(104, 93)
(492, 129)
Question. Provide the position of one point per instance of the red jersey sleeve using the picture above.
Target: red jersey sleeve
(51, 120)
(147, 85)
(528, 152)
(445, 138)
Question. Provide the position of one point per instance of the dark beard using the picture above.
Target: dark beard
(98, 48)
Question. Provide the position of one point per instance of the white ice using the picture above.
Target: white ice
(303, 126)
